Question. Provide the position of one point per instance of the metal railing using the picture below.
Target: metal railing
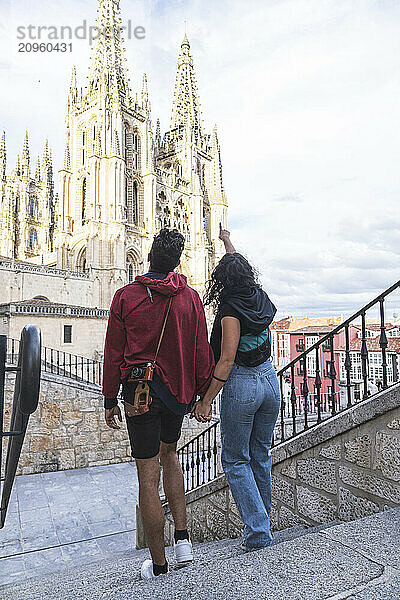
(57, 362)
(200, 457)
(25, 402)
(306, 407)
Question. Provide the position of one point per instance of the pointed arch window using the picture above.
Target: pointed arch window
(83, 147)
(131, 198)
(84, 201)
(130, 268)
(81, 263)
(132, 146)
(33, 240)
(33, 207)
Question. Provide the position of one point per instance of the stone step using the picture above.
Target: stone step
(357, 560)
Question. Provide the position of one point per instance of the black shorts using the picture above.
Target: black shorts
(146, 431)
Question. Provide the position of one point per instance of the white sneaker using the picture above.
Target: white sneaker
(183, 552)
(146, 572)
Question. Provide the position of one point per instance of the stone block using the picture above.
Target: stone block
(67, 459)
(283, 490)
(387, 455)
(72, 417)
(331, 451)
(41, 442)
(287, 518)
(320, 474)
(353, 507)
(62, 442)
(216, 522)
(395, 424)
(358, 450)
(369, 482)
(316, 507)
(50, 415)
(288, 468)
(91, 421)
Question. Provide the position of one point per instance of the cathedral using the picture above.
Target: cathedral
(121, 180)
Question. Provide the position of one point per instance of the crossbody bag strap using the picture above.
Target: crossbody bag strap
(163, 330)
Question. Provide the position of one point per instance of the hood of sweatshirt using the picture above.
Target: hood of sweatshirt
(172, 285)
(255, 307)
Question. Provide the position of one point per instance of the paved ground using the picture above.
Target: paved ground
(349, 561)
(58, 520)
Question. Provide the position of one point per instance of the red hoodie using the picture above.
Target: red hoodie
(185, 362)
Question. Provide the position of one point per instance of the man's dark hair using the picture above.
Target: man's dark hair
(166, 251)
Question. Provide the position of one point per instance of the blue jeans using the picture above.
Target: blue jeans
(249, 409)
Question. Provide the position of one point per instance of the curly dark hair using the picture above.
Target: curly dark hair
(233, 273)
(166, 250)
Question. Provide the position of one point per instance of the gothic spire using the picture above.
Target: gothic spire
(73, 90)
(108, 60)
(186, 105)
(37, 172)
(158, 134)
(3, 156)
(25, 156)
(145, 92)
(47, 166)
(67, 158)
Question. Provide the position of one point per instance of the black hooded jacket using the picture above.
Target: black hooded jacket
(252, 307)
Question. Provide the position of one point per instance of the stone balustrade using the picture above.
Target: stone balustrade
(343, 469)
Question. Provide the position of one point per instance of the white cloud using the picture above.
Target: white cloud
(306, 98)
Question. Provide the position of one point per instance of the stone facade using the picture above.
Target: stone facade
(86, 326)
(343, 469)
(68, 430)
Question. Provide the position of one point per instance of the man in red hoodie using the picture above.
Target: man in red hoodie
(183, 371)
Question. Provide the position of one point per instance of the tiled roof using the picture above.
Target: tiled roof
(376, 326)
(282, 324)
(314, 329)
(373, 345)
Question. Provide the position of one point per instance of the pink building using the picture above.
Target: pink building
(304, 338)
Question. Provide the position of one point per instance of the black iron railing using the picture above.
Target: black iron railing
(335, 379)
(26, 397)
(199, 458)
(312, 400)
(57, 362)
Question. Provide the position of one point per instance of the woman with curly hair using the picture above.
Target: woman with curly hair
(250, 402)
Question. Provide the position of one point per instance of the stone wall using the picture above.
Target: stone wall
(68, 431)
(88, 333)
(23, 282)
(342, 469)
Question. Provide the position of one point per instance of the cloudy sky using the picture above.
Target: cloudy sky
(306, 97)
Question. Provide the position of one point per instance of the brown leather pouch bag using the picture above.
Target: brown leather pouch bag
(141, 402)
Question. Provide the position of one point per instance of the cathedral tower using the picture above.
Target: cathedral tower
(190, 195)
(104, 221)
(26, 207)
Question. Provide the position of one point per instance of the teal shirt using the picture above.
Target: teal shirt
(251, 341)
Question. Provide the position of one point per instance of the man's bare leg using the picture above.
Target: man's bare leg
(151, 510)
(173, 484)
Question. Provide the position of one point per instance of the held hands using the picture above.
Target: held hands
(202, 411)
(110, 414)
